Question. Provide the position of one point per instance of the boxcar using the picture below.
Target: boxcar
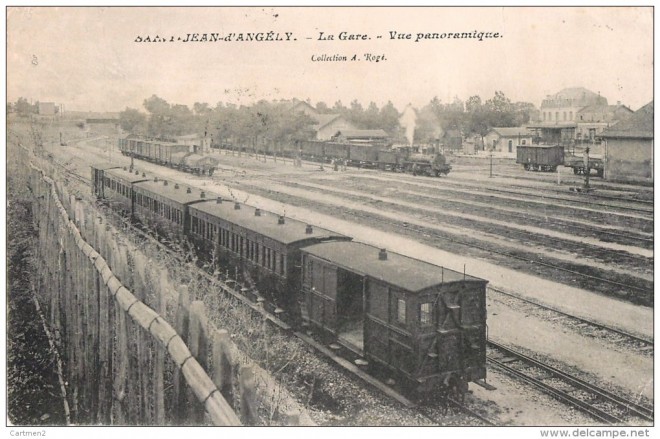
(312, 149)
(540, 157)
(336, 151)
(364, 155)
(261, 247)
(164, 206)
(424, 322)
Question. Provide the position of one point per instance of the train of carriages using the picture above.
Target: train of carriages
(362, 155)
(548, 157)
(425, 323)
(169, 154)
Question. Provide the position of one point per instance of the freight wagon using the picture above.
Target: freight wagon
(540, 157)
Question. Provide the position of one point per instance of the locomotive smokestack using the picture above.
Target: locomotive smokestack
(382, 255)
(280, 220)
(309, 230)
(237, 205)
(257, 212)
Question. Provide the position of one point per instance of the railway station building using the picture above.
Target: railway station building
(505, 140)
(628, 147)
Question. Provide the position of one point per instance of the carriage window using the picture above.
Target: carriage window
(401, 311)
(425, 314)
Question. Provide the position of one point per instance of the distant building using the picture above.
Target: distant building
(507, 139)
(559, 114)
(326, 125)
(46, 108)
(196, 142)
(592, 120)
(629, 147)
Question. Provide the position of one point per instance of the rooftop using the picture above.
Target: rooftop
(401, 271)
(511, 131)
(639, 125)
(179, 195)
(125, 175)
(267, 224)
(362, 133)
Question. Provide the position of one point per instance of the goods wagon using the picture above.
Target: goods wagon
(364, 155)
(424, 322)
(540, 157)
(577, 163)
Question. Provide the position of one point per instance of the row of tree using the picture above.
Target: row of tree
(274, 121)
(24, 108)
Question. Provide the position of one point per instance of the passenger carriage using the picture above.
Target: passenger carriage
(118, 186)
(261, 247)
(424, 322)
(164, 205)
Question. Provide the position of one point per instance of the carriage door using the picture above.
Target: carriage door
(449, 332)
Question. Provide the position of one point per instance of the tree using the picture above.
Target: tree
(133, 121)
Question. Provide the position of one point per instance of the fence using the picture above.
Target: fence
(125, 364)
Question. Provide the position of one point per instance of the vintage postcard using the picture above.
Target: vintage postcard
(331, 216)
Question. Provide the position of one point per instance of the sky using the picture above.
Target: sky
(88, 58)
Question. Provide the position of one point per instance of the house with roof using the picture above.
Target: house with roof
(628, 149)
(559, 114)
(326, 124)
(592, 120)
(506, 139)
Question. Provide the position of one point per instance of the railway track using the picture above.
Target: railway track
(644, 295)
(639, 342)
(597, 402)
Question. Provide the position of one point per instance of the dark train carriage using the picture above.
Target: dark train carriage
(118, 187)
(262, 247)
(311, 149)
(164, 205)
(364, 155)
(390, 159)
(424, 322)
(540, 157)
(98, 181)
(336, 151)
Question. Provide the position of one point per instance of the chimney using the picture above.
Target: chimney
(143, 174)
(202, 195)
(257, 212)
(155, 178)
(218, 200)
(188, 191)
(176, 185)
(618, 102)
(164, 182)
(124, 168)
(382, 255)
(308, 229)
(237, 206)
(280, 220)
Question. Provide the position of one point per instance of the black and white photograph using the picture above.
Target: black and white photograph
(291, 217)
